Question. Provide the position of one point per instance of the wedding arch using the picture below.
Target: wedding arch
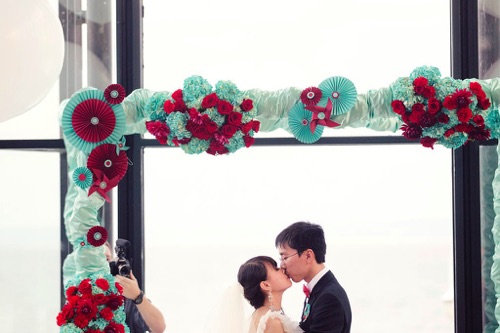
(218, 120)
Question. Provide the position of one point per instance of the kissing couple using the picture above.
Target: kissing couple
(302, 250)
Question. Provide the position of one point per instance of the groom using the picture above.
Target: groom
(302, 249)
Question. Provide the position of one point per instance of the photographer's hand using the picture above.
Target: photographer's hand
(151, 315)
(130, 286)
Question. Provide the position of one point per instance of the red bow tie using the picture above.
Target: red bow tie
(306, 291)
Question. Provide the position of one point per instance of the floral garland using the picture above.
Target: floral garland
(444, 110)
(198, 119)
(94, 305)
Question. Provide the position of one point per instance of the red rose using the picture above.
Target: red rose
(429, 91)
(255, 125)
(177, 95)
(476, 88)
(443, 118)
(234, 118)
(85, 287)
(60, 320)
(428, 142)
(433, 105)
(114, 301)
(65, 314)
(168, 106)
(465, 128)
(119, 288)
(81, 321)
(427, 120)
(464, 115)
(417, 112)
(229, 130)
(248, 140)
(211, 127)
(398, 107)
(478, 119)
(71, 291)
(245, 128)
(114, 328)
(484, 104)
(419, 90)
(449, 132)
(418, 108)
(246, 105)
(479, 133)
(100, 299)
(106, 313)
(200, 132)
(224, 107)
(216, 148)
(420, 81)
(209, 101)
(180, 106)
(102, 283)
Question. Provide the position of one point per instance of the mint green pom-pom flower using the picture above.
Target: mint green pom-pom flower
(195, 87)
(228, 91)
(430, 73)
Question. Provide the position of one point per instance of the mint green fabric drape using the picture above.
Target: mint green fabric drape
(488, 164)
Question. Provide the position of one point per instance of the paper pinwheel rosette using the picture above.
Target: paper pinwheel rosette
(201, 119)
(108, 168)
(92, 117)
(334, 96)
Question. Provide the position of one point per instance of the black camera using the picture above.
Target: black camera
(120, 265)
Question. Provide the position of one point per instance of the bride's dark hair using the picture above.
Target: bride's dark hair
(250, 275)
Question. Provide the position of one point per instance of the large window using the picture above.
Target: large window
(30, 241)
(387, 210)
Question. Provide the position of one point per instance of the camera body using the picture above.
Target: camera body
(120, 265)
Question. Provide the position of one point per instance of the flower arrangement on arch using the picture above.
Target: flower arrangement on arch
(200, 119)
(443, 110)
(93, 305)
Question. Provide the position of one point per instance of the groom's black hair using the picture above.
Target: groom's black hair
(250, 275)
(302, 236)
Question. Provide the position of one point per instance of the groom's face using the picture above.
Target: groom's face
(291, 262)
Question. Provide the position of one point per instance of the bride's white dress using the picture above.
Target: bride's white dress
(289, 325)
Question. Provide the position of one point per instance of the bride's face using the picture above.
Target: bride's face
(277, 278)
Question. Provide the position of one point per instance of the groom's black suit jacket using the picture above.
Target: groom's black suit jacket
(330, 310)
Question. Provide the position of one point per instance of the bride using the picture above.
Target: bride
(263, 286)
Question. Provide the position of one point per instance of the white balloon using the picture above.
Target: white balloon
(32, 44)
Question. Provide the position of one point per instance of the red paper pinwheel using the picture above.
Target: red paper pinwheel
(321, 115)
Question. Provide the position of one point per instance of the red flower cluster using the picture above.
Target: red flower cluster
(202, 127)
(431, 111)
(84, 305)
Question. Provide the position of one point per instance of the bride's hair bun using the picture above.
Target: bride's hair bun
(250, 275)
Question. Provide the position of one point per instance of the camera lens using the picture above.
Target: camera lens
(124, 270)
